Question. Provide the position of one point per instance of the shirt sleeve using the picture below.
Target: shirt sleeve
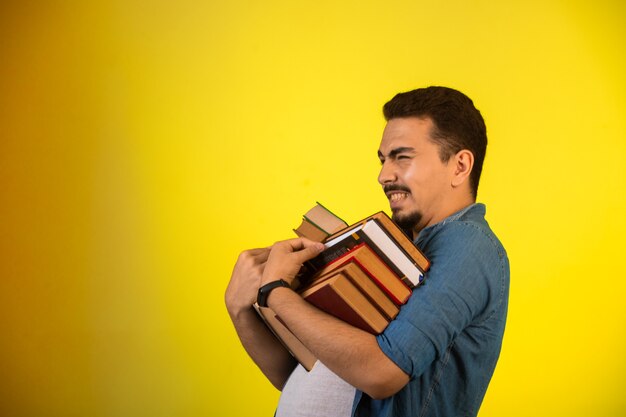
(457, 290)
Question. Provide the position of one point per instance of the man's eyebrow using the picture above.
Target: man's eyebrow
(396, 151)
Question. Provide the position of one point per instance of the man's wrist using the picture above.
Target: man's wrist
(266, 289)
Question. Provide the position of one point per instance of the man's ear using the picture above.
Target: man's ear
(463, 163)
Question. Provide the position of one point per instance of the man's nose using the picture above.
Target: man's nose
(387, 174)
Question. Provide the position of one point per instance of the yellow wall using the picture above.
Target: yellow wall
(144, 144)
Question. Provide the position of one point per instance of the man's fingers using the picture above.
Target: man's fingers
(298, 249)
(309, 250)
(300, 243)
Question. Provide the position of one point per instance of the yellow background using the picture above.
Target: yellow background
(144, 144)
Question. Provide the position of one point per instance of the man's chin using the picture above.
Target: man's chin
(406, 221)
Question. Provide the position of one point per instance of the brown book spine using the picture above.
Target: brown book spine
(382, 274)
(370, 288)
(398, 297)
(340, 298)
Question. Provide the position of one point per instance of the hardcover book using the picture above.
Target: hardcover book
(375, 268)
(366, 283)
(339, 297)
(286, 337)
(318, 223)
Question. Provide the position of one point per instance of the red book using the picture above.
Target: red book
(339, 297)
(380, 273)
(367, 285)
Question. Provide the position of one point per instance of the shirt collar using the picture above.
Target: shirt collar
(475, 210)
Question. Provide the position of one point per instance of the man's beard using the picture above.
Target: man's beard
(407, 222)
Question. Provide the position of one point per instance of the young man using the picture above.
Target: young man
(437, 357)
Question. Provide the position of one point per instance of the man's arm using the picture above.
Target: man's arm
(351, 353)
(258, 341)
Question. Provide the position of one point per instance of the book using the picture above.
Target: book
(339, 297)
(324, 219)
(376, 269)
(403, 241)
(366, 283)
(286, 337)
(310, 231)
(375, 235)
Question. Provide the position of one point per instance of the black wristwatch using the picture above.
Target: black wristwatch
(266, 289)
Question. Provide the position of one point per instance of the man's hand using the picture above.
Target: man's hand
(286, 259)
(258, 341)
(245, 281)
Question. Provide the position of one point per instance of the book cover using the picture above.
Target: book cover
(372, 233)
(339, 297)
(402, 240)
(376, 235)
(324, 219)
(376, 269)
(388, 249)
(369, 286)
(310, 231)
(286, 337)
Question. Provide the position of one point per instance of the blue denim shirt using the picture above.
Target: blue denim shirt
(447, 337)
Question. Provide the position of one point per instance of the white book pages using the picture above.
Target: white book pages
(391, 250)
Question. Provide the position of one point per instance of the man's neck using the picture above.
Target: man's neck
(448, 211)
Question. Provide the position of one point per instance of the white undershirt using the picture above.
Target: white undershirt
(318, 393)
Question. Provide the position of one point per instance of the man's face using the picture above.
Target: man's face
(413, 177)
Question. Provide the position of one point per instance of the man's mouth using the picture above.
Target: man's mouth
(396, 196)
(396, 193)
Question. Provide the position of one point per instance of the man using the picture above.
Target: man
(437, 357)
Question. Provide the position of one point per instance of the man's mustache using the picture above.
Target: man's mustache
(396, 187)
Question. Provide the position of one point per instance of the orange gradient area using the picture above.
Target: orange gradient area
(143, 145)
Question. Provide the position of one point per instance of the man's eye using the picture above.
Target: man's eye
(404, 157)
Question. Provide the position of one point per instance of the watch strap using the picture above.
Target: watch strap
(265, 290)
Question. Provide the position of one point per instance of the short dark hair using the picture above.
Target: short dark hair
(457, 123)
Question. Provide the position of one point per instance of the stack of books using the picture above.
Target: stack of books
(364, 275)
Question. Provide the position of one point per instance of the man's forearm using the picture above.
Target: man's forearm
(351, 353)
(263, 347)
